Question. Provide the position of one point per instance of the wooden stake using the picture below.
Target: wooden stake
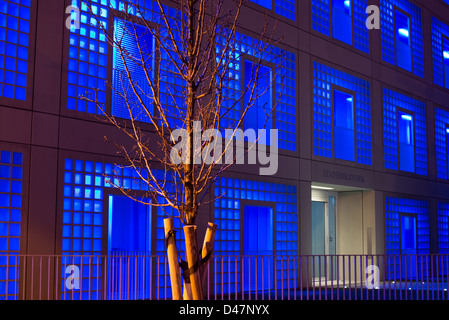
(193, 260)
(175, 276)
(208, 246)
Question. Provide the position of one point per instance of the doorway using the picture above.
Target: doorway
(129, 247)
(324, 210)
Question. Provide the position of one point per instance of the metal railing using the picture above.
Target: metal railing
(134, 276)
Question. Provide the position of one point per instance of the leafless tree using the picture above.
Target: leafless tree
(181, 69)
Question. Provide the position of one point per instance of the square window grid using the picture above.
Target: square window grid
(441, 124)
(391, 101)
(227, 216)
(394, 208)
(284, 82)
(321, 21)
(85, 186)
(284, 8)
(11, 188)
(14, 45)
(387, 8)
(439, 29)
(324, 77)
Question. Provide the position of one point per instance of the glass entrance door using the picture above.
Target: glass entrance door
(323, 233)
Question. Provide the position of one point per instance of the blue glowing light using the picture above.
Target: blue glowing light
(404, 32)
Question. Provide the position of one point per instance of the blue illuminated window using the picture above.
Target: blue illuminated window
(258, 234)
(446, 61)
(335, 115)
(260, 115)
(14, 45)
(138, 63)
(284, 8)
(402, 217)
(403, 43)
(283, 88)
(11, 187)
(402, 35)
(405, 138)
(443, 237)
(442, 142)
(344, 20)
(443, 228)
(264, 3)
(440, 52)
(229, 215)
(86, 214)
(406, 142)
(344, 137)
(88, 56)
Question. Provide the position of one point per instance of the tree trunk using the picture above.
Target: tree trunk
(175, 276)
(192, 255)
(208, 247)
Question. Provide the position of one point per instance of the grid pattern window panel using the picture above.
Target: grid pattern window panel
(394, 209)
(14, 45)
(229, 218)
(88, 61)
(324, 79)
(392, 101)
(11, 180)
(443, 228)
(439, 30)
(388, 33)
(443, 237)
(86, 185)
(284, 82)
(441, 142)
(88, 55)
(322, 15)
(284, 8)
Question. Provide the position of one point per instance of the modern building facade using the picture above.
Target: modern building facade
(363, 124)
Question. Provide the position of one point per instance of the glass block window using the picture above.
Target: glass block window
(11, 188)
(344, 20)
(14, 42)
(401, 32)
(88, 55)
(86, 185)
(440, 52)
(327, 83)
(442, 143)
(284, 88)
(234, 195)
(443, 228)
(397, 108)
(395, 209)
(284, 8)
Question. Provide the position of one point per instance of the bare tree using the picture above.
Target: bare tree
(180, 72)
